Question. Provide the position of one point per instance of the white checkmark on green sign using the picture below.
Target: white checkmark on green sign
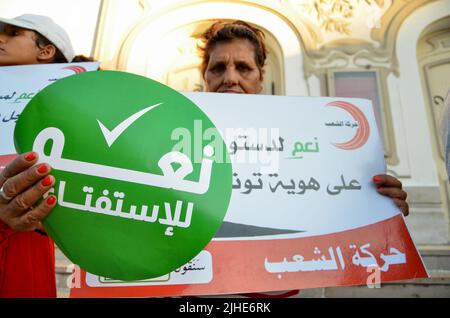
(112, 135)
(107, 220)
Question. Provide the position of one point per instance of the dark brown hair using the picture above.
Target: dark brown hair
(82, 58)
(41, 41)
(223, 31)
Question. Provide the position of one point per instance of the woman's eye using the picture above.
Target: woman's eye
(243, 68)
(12, 33)
(217, 68)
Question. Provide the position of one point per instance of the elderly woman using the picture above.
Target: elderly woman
(234, 56)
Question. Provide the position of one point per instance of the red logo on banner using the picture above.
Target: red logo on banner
(363, 132)
(76, 69)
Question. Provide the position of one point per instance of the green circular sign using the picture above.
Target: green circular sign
(140, 191)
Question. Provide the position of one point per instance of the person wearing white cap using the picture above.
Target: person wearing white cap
(27, 259)
(33, 39)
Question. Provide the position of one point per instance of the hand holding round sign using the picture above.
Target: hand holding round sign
(138, 197)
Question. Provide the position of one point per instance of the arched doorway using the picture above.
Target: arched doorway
(433, 54)
(162, 45)
(427, 194)
(179, 67)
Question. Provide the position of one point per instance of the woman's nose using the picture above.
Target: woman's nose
(231, 77)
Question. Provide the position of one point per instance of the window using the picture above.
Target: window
(361, 84)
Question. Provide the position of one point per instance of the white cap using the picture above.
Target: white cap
(45, 26)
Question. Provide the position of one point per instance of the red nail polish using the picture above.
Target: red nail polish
(376, 179)
(42, 169)
(47, 181)
(51, 200)
(30, 157)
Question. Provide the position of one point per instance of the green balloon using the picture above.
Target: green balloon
(140, 192)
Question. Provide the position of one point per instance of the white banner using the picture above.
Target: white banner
(19, 84)
(304, 159)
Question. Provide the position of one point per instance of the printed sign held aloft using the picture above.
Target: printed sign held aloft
(130, 205)
(18, 85)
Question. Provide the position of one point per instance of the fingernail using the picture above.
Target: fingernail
(42, 169)
(30, 157)
(51, 200)
(47, 181)
(376, 179)
(380, 188)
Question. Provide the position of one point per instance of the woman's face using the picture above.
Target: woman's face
(18, 46)
(232, 68)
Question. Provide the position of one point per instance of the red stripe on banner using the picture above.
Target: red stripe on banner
(239, 266)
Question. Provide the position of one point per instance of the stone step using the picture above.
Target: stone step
(436, 257)
(434, 287)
